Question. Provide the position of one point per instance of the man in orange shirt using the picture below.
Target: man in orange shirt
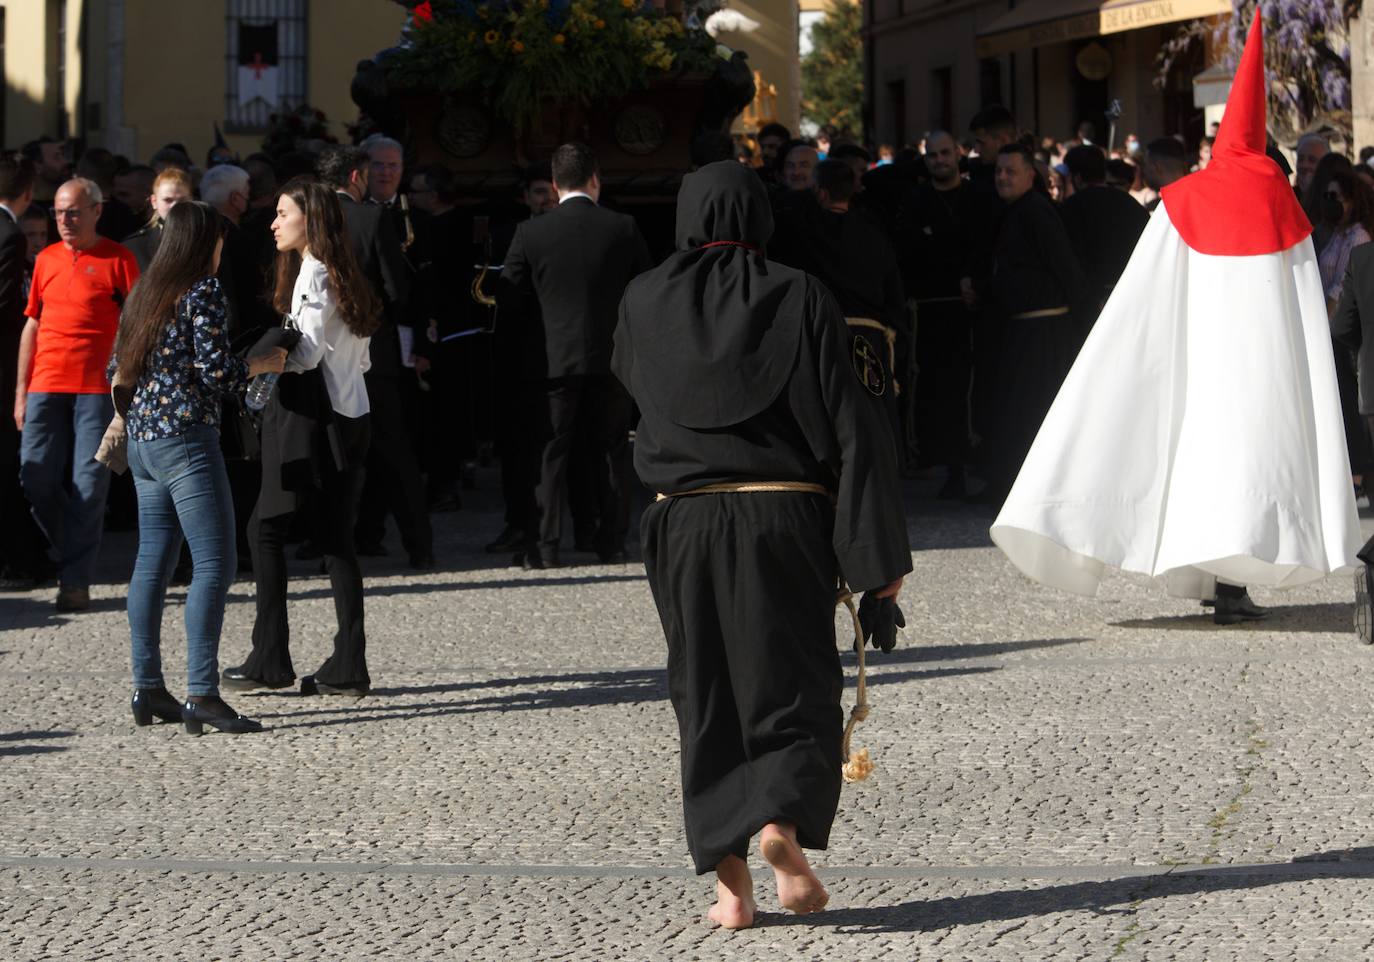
(62, 399)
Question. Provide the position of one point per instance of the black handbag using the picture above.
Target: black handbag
(238, 427)
(241, 429)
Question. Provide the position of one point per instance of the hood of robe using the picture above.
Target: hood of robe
(709, 338)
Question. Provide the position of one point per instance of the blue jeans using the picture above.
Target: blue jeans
(182, 487)
(63, 429)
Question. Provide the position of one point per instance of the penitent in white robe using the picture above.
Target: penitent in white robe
(1198, 435)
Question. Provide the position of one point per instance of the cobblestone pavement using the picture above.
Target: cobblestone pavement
(1058, 778)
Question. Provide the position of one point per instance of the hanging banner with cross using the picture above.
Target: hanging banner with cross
(258, 64)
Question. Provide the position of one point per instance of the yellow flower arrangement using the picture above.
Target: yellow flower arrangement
(589, 52)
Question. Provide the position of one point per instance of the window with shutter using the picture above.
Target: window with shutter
(265, 60)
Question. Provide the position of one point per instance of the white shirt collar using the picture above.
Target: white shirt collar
(6, 209)
(574, 193)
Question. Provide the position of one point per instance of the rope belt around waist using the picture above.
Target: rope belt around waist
(1044, 312)
(857, 765)
(751, 487)
(890, 336)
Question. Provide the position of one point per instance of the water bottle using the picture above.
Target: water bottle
(260, 391)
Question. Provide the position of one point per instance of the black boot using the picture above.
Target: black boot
(1233, 605)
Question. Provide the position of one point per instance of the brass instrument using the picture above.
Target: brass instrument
(405, 216)
(481, 235)
(479, 295)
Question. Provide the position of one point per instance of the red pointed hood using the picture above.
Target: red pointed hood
(1241, 205)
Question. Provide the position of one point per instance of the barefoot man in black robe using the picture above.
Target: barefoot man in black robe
(763, 432)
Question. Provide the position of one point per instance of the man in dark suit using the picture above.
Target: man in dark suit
(393, 476)
(519, 370)
(414, 227)
(578, 260)
(21, 544)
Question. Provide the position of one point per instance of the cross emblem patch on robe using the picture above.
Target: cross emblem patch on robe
(867, 366)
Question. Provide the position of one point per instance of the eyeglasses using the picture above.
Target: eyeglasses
(70, 213)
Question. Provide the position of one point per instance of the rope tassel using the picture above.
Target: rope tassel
(857, 765)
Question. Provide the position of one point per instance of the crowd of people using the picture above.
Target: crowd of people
(970, 267)
(275, 352)
(1006, 248)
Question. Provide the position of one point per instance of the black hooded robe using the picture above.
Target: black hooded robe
(1035, 270)
(744, 371)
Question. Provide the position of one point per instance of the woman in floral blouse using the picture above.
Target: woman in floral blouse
(173, 347)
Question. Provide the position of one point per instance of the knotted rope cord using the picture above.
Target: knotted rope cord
(857, 766)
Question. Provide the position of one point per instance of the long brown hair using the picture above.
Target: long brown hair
(326, 237)
(185, 255)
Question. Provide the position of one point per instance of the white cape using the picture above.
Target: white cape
(1198, 435)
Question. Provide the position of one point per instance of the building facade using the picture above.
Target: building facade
(1054, 63)
(133, 75)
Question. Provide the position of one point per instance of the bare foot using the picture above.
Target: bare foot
(734, 908)
(798, 888)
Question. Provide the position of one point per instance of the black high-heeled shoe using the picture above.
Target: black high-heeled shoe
(197, 715)
(148, 703)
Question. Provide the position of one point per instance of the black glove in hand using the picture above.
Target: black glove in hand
(880, 618)
(272, 338)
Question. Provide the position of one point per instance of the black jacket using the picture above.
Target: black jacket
(377, 248)
(1352, 326)
(143, 244)
(13, 247)
(577, 260)
(848, 253)
(117, 221)
(1103, 224)
(1034, 266)
(245, 287)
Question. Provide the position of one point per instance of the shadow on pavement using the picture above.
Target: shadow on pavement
(26, 611)
(920, 652)
(1332, 616)
(927, 674)
(1113, 896)
(589, 689)
(31, 736)
(424, 588)
(36, 610)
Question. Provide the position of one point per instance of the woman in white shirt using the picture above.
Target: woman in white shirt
(315, 435)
